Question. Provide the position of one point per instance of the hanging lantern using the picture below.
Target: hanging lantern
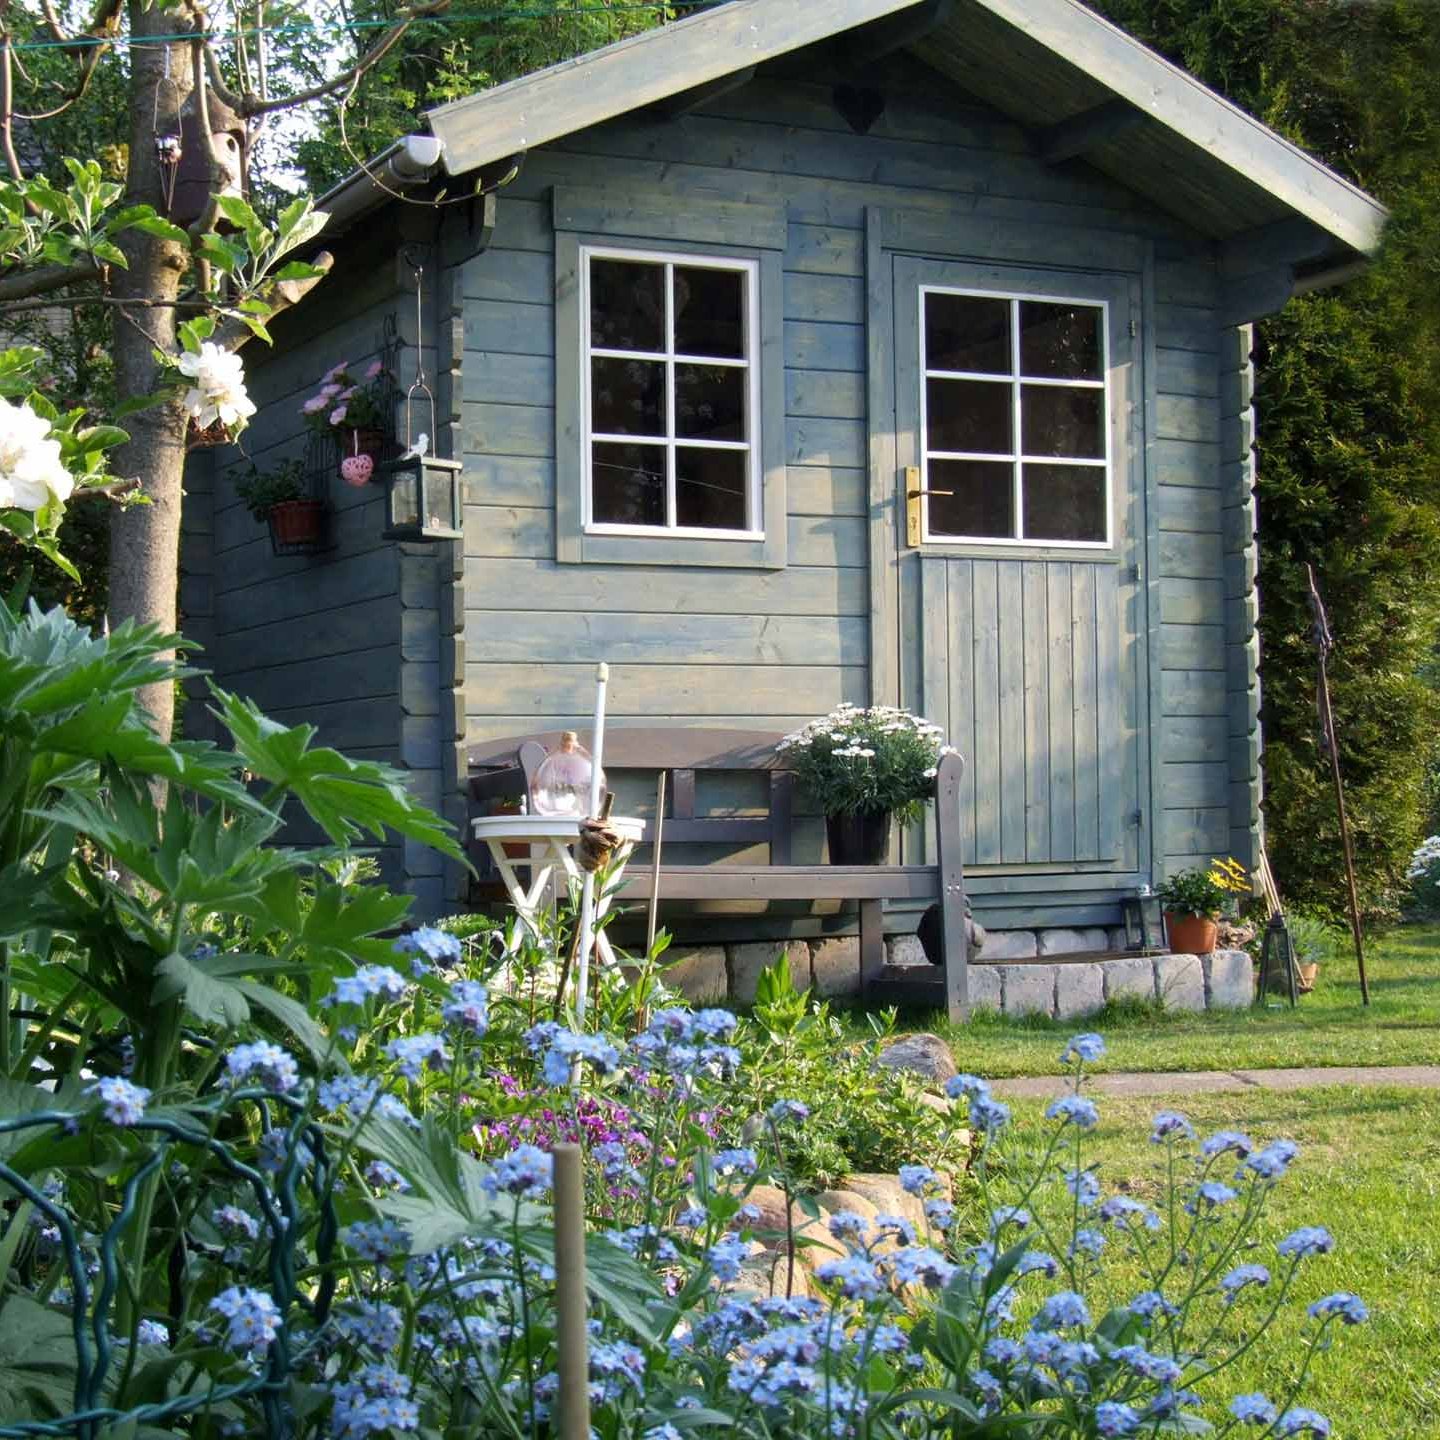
(195, 178)
(1144, 920)
(422, 491)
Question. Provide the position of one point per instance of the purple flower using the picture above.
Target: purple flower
(968, 1086)
(725, 1256)
(918, 1265)
(526, 1171)
(735, 1162)
(412, 1053)
(1253, 1409)
(988, 1115)
(1112, 1417)
(1169, 1123)
(1149, 1367)
(151, 1332)
(253, 1318)
(337, 415)
(1060, 1310)
(1307, 1240)
(1150, 1303)
(1349, 1307)
(1074, 1110)
(1299, 1421)
(1209, 1195)
(917, 1179)
(371, 1322)
(435, 945)
(1271, 1162)
(121, 1102)
(266, 1064)
(367, 983)
(1121, 1210)
(377, 1239)
(1243, 1275)
(1088, 1047)
(234, 1224)
(783, 1110)
(1083, 1185)
(855, 1276)
(1223, 1140)
(466, 1007)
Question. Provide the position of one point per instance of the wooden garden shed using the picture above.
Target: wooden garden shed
(797, 352)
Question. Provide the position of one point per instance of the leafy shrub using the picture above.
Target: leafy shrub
(1204, 890)
(1423, 873)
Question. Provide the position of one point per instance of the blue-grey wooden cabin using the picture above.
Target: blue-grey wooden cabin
(798, 352)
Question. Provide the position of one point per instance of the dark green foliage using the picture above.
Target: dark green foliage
(1349, 414)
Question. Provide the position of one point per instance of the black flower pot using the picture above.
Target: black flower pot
(860, 838)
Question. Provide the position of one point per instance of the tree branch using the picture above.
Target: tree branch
(75, 302)
(288, 293)
(249, 104)
(7, 114)
(21, 284)
(52, 22)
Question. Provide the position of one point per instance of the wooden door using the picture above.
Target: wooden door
(1020, 609)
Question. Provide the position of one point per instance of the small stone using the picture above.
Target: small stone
(885, 1193)
(938, 1103)
(1132, 976)
(698, 974)
(748, 961)
(1010, 944)
(1180, 982)
(1229, 979)
(835, 966)
(837, 1200)
(925, 1055)
(1071, 942)
(905, 950)
(1079, 990)
(766, 1275)
(982, 984)
(1030, 990)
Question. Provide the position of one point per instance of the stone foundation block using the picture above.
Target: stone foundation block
(905, 950)
(835, 966)
(985, 992)
(1030, 990)
(1079, 990)
(1180, 982)
(1009, 944)
(1134, 976)
(1070, 942)
(1229, 979)
(747, 961)
(698, 974)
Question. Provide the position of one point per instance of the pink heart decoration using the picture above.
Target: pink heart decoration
(357, 469)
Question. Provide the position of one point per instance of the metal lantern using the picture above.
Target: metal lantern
(1277, 961)
(422, 491)
(1144, 920)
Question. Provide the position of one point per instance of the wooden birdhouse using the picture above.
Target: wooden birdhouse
(194, 180)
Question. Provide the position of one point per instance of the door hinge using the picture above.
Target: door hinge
(1134, 573)
(1133, 331)
(1137, 818)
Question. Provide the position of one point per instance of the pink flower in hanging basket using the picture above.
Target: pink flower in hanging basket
(337, 415)
(356, 470)
(374, 369)
(333, 371)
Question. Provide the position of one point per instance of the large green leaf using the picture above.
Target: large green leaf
(37, 1362)
(18, 1100)
(348, 799)
(210, 998)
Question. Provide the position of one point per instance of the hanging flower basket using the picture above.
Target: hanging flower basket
(215, 433)
(297, 522)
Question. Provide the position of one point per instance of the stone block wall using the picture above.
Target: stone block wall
(1065, 989)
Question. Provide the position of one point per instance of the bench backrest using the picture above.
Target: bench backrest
(505, 768)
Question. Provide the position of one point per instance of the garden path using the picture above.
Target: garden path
(1425, 1077)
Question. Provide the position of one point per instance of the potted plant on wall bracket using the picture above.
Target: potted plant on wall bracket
(283, 499)
(1194, 899)
(356, 408)
(866, 769)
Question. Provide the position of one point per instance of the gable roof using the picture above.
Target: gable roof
(1077, 82)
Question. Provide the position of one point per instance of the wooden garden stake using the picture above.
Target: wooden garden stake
(1323, 645)
(655, 866)
(587, 893)
(572, 1339)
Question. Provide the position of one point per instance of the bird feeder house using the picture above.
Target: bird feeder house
(195, 178)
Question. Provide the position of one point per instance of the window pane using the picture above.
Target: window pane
(982, 502)
(710, 488)
(627, 397)
(968, 415)
(1064, 502)
(710, 402)
(1060, 342)
(627, 484)
(1059, 421)
(709, 312)
(967, 332)
(627, 305)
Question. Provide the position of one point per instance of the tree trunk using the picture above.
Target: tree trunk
(145, 539)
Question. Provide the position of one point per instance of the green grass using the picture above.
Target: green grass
(1401, 1026)
(1368, 1171)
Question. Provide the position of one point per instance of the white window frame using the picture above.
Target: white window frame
(670, 357)
(1016, 458)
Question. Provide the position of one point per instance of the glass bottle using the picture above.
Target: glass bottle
(562, 783)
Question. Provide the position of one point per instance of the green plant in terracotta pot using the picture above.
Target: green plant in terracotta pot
(866, 768)
(1193, 900)
(282, 497)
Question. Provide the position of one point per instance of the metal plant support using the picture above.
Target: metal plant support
(278, 1202)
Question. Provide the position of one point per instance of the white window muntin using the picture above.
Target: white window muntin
(751, 444)
(1016, 458)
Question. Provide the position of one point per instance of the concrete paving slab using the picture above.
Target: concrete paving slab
(1423, 1077)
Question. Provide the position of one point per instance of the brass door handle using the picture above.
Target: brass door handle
(913, 493)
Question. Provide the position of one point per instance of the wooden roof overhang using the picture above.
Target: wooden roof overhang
(1079, 86)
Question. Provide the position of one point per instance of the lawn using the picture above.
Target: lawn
(1368, 1171)
(1401, 1026)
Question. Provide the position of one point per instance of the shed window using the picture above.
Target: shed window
(1015, 418)
(670, 394)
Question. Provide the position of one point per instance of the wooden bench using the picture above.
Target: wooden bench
(502, 770)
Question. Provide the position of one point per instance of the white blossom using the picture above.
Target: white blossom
(31, 471)
(219, 389)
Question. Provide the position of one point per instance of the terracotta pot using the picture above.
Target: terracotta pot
(297, 522)
(861, 838)
(1191, 934)
(215, 433)
(1307, 977)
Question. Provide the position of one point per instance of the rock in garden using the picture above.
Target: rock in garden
(925, 1055)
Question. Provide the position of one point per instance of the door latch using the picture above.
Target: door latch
(913, 492)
